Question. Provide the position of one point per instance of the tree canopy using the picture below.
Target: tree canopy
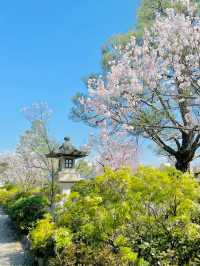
(152, 88)
(146, 16)
(149, 9)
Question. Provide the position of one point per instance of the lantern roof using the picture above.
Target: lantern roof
(67, 150)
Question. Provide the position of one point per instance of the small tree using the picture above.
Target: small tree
(152, 90)
(22, 170)
(113, 150)
(37, 141)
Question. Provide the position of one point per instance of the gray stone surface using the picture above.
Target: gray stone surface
(11, 251)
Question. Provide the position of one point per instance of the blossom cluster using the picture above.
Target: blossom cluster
(24, 170)
(161, 77)
(113, 150)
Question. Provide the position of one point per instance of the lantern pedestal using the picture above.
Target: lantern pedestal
(67, 178)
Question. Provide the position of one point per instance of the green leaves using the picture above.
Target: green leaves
(26, 209)
(120, 218)
(148, 211)
(128, 255)
(63, 238)
(42, 233)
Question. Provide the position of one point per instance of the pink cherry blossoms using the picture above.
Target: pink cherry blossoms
(153, 88)
(113, 151)
(24, 170)
(167, 63)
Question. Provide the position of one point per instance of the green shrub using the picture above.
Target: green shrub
(63, 238)
(149, 218)
(26, 210)
(6, 195)
(41, 237)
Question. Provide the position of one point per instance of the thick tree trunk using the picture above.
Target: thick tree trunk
(184, 159)
(182, 166)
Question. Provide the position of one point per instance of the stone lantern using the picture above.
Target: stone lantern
(67, 174)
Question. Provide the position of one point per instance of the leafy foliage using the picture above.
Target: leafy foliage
(150, 217)
(6, 194)
(25, 210)
(43, 232)
(147, 218)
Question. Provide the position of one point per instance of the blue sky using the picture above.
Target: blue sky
(46, 48)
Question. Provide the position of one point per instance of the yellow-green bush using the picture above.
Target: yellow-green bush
(7, 195)
(147, 218)
(41, 237)
(120, 218)
(42, 233)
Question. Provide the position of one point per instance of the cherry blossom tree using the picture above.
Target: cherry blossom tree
(152, 89)
(112, 150)
(28, 165)
(149, 8)
(21, 170)
(37, 141)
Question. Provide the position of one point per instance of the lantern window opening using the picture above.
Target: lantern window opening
(69, 163)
